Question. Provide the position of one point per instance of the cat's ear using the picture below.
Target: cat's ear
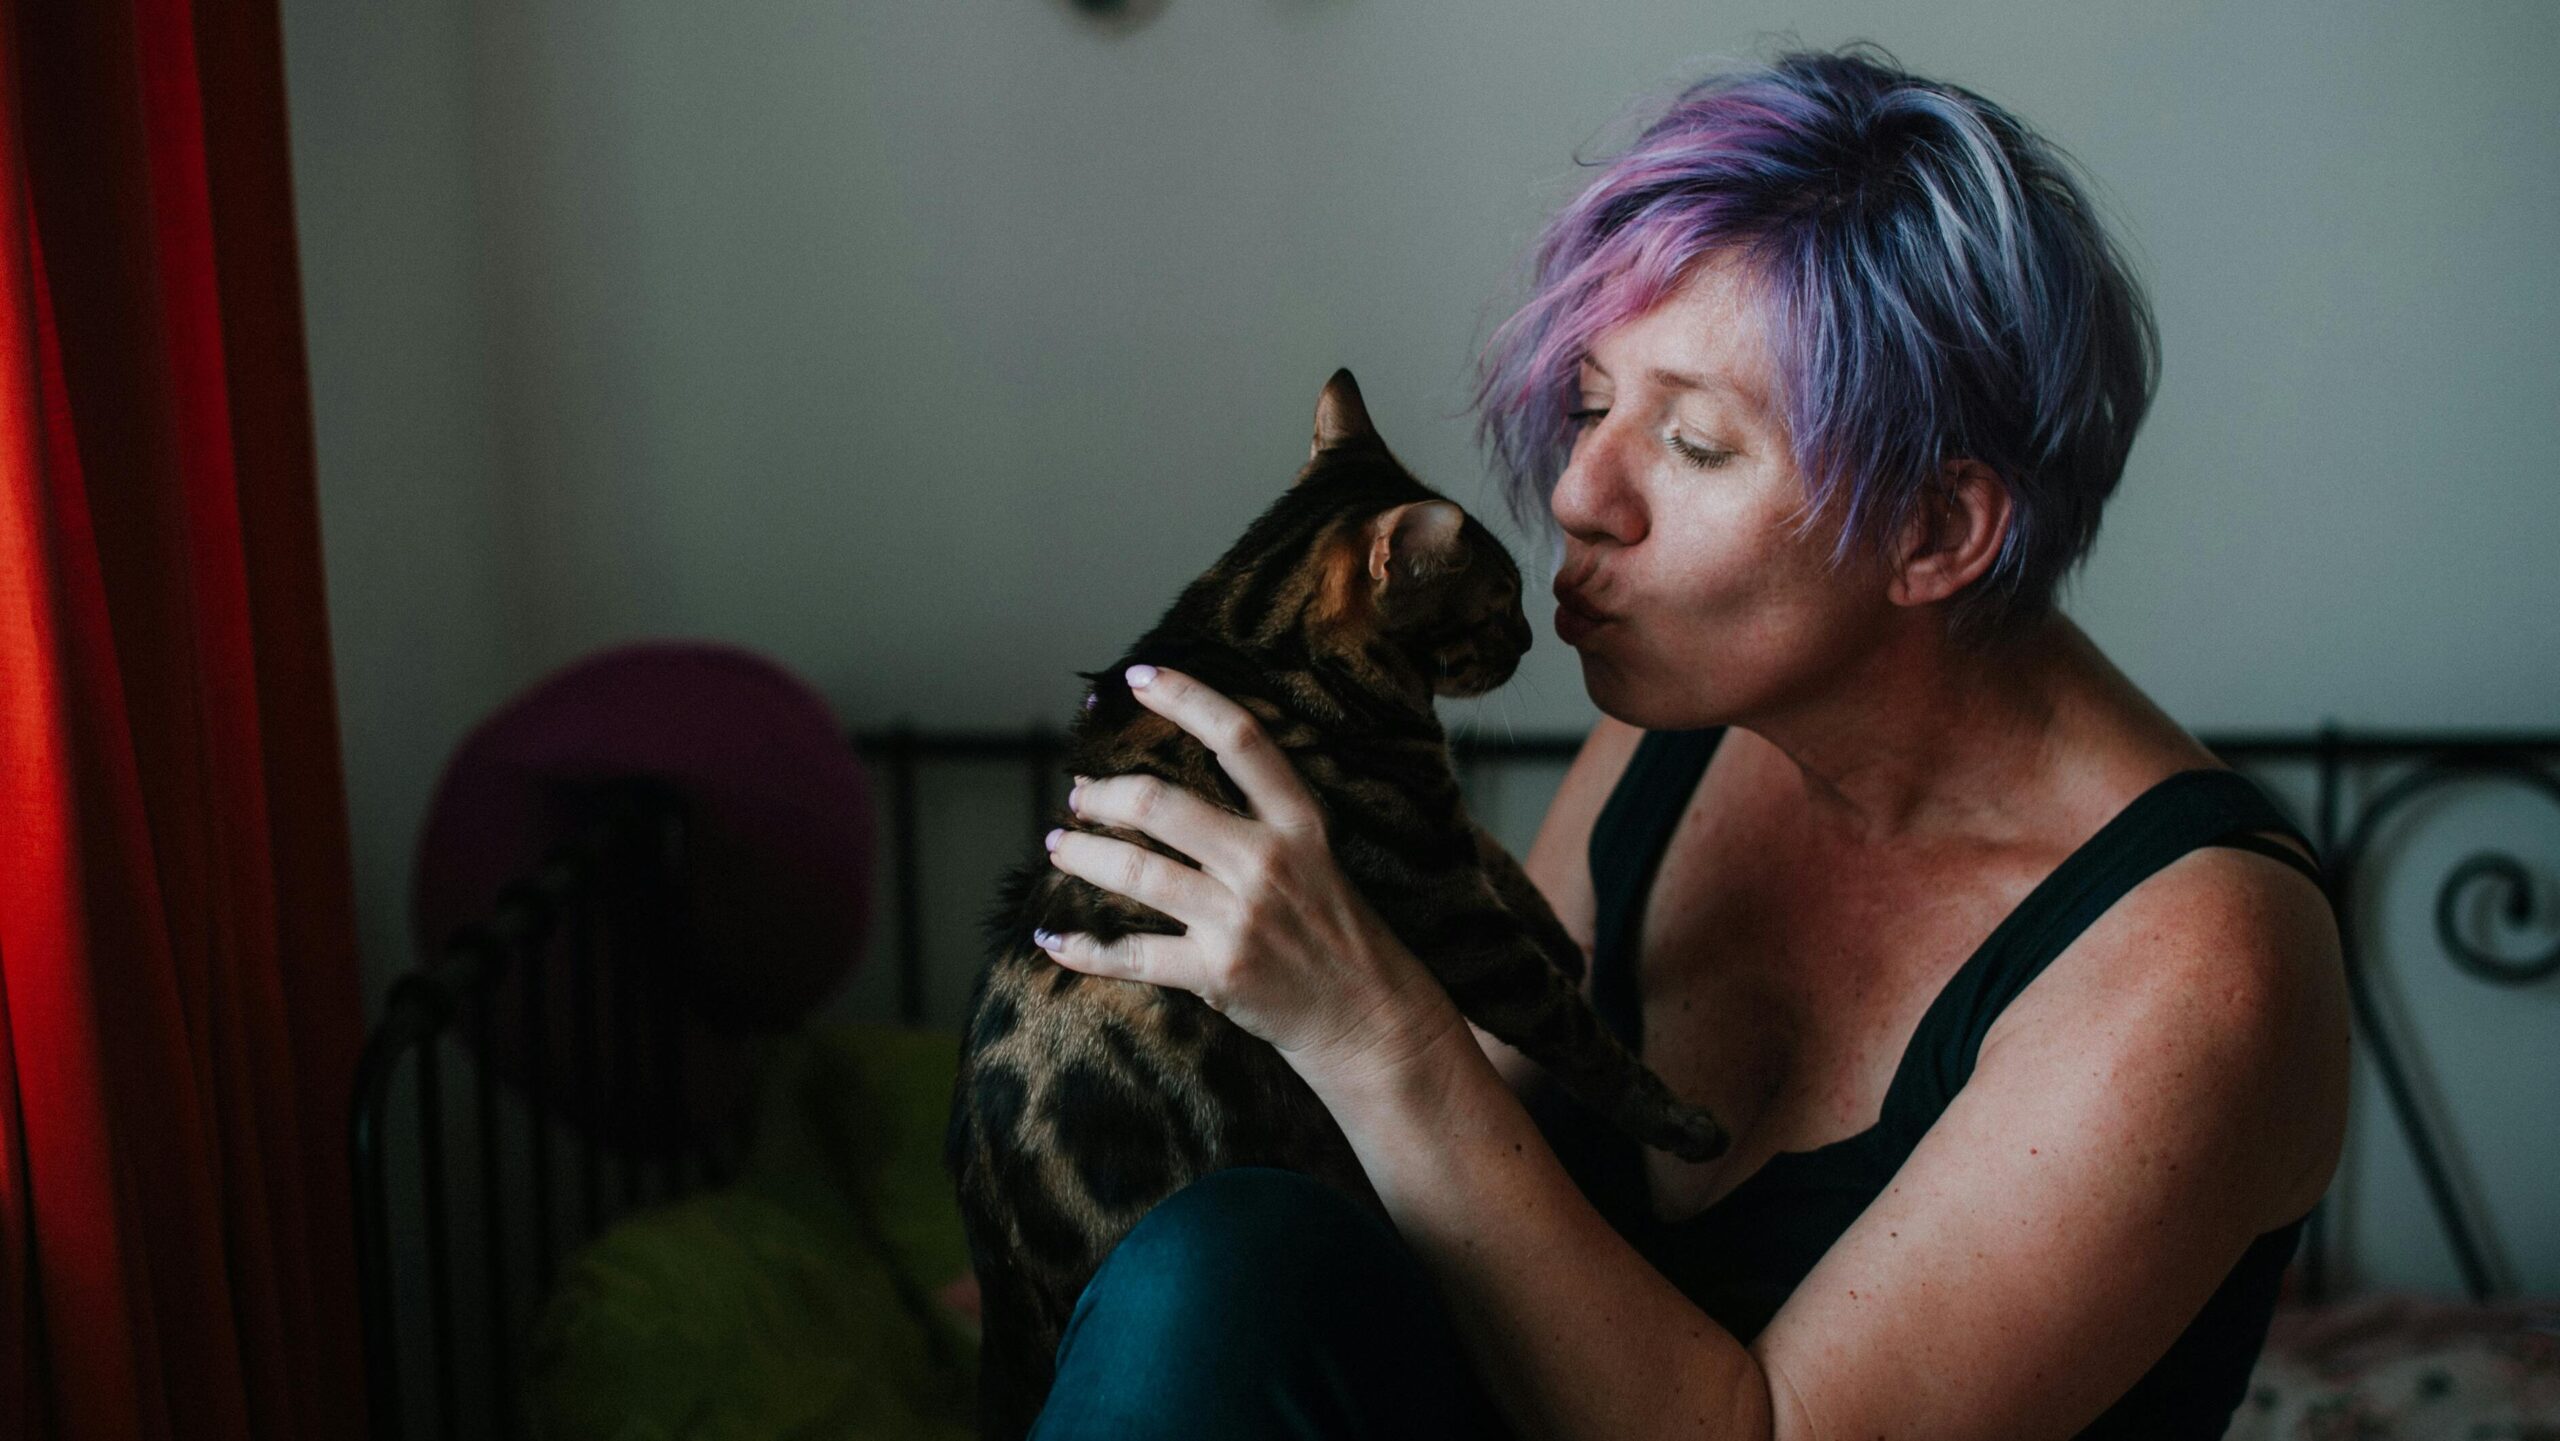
(1416, 541)
(1341, 418)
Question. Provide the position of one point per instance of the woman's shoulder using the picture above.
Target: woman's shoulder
(2232, 960)
(2222, 959)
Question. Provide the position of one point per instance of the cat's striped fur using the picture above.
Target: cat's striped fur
(1083, 1101)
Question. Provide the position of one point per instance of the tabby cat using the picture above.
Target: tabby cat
(1082, 1101)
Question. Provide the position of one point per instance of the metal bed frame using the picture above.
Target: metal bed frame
(611, 889)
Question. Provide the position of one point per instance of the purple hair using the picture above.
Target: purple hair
(1937, 287)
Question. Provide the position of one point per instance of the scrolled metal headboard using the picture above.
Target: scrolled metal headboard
(2424, 764)
(607, 890)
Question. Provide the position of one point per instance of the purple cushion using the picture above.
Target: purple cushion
(778, 845)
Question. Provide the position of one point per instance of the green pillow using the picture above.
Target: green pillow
(796, 1302)
(863, 1106)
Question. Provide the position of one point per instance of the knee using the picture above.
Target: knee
(1259, 1303)
(1265, 1247)
(1258, 1214)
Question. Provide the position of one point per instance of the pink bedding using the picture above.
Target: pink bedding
(2407, 1368)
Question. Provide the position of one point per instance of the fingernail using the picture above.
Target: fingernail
(1139, 676)
(1075, 794)
(1045, 940)
(1089, 699)
(1051, 840)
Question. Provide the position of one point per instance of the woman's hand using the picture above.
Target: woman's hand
(1278, 941)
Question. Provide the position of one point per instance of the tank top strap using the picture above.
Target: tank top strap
(1628, 838)
(2179, 814)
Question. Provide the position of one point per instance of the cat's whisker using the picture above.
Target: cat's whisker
(1508, 729)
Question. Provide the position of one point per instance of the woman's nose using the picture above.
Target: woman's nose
(1593, 499)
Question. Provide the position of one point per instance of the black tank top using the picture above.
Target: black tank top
(1740, 1258)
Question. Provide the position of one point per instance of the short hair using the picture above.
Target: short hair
(1937, 286)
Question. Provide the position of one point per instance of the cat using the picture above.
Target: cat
(1082, 1101)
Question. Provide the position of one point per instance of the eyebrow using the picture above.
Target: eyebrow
(1683, 380)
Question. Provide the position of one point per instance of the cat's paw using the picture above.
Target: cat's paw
(1690, 1134)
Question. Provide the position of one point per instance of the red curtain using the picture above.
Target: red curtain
(179, 1007)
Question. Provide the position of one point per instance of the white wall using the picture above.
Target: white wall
(928, 347)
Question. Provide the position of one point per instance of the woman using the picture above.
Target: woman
(2027, 1016)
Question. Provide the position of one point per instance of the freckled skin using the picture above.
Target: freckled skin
(1082, 1101)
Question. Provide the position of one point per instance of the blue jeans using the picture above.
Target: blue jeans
(1257, 1303)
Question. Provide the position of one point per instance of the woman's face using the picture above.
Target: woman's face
(1683, 587)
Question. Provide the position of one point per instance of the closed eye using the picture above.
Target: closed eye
(1702, 457)
(1698, 456)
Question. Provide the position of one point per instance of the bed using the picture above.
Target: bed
(783, 1266)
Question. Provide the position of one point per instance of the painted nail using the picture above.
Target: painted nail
(1139, 676)
(1045, 940)
(1051, 840)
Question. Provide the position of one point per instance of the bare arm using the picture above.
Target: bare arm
(1559, 864)
(2167, 1091)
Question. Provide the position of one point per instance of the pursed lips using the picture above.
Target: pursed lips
(1576, 616)
(1572, 591)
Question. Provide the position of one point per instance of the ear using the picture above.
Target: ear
(1955, 535)
(1341, 419)
(1415, 541)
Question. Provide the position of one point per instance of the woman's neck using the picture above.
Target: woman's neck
(1923, 741)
